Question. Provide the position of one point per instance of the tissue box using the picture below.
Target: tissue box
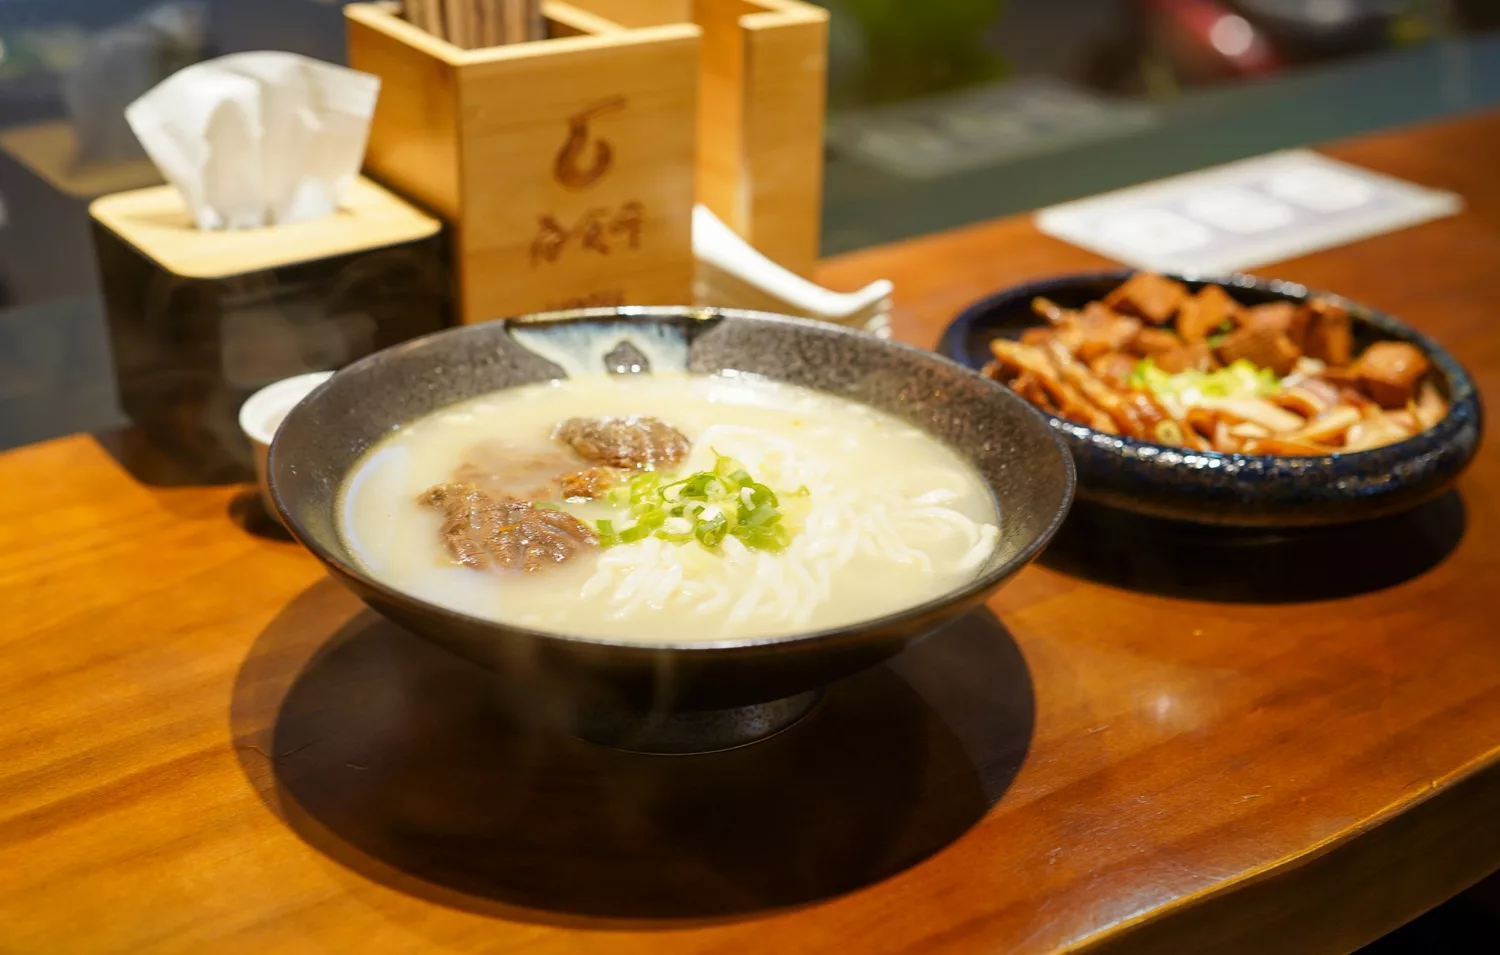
(199, 321)
(564, 166)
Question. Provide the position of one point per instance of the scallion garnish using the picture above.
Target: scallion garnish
(706, 506)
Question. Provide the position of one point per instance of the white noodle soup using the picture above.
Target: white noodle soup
(870, 514)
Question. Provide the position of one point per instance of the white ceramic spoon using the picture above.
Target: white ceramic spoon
(732, 274)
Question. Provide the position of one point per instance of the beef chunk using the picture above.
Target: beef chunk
(1288, 318)
(1195, 357)
(1201, 315)
(628, 442)
(1152, 297)
(1273, 315)
(1330, 333)
(1154, 341)
(1264, 347)
(1390, 371)
(1097, 330)
(481, 531)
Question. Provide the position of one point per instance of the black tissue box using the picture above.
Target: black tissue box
(199, 321)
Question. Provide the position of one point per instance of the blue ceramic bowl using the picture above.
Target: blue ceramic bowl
(1207, 487)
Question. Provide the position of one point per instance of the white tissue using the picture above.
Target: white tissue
(257, 139)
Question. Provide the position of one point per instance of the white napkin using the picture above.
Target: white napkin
(257, 139)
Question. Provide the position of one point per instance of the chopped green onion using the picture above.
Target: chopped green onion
(1240, 379)
(764, 514)
(607, 536)
(711, 532)
(706, 506)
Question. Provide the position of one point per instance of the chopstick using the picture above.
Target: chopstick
(415, 13)
(494, 23)
(426, 15)
(536, 24)
(478, 23)
(456, 16)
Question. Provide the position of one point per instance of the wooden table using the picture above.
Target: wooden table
(210, 747)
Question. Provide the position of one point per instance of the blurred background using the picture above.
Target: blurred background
(941, 112)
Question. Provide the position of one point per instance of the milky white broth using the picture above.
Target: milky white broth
(892, 516)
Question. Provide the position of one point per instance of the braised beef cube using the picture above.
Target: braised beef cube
(1389, 372)
(1195, 357)
(1098, 330)
(1277, 316)
(1153, 297)
(1264, 347)
(1330, 333)
(1205, 313)
(1288, 318)
(1297, 330)
(1154, 341)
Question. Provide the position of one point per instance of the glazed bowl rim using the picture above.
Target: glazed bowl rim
(853, 631)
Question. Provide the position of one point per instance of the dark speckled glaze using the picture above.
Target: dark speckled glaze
(1238, 489)
(1006, 440)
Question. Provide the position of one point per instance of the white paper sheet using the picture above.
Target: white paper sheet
(1245, 214)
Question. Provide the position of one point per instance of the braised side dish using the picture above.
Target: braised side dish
(1156, 362)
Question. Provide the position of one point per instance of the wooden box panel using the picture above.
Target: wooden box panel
(784, 89)
(565, 166)
(761, 106)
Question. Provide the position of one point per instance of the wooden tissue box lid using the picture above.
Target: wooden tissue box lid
(156, 222)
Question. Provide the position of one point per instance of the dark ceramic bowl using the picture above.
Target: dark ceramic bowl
(1242, 490)
(1006, 440)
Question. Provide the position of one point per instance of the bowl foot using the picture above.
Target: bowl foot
(704, 731)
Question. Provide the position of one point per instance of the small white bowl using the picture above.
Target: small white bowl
(263, 413)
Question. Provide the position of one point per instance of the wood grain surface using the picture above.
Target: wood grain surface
(1156, 741)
